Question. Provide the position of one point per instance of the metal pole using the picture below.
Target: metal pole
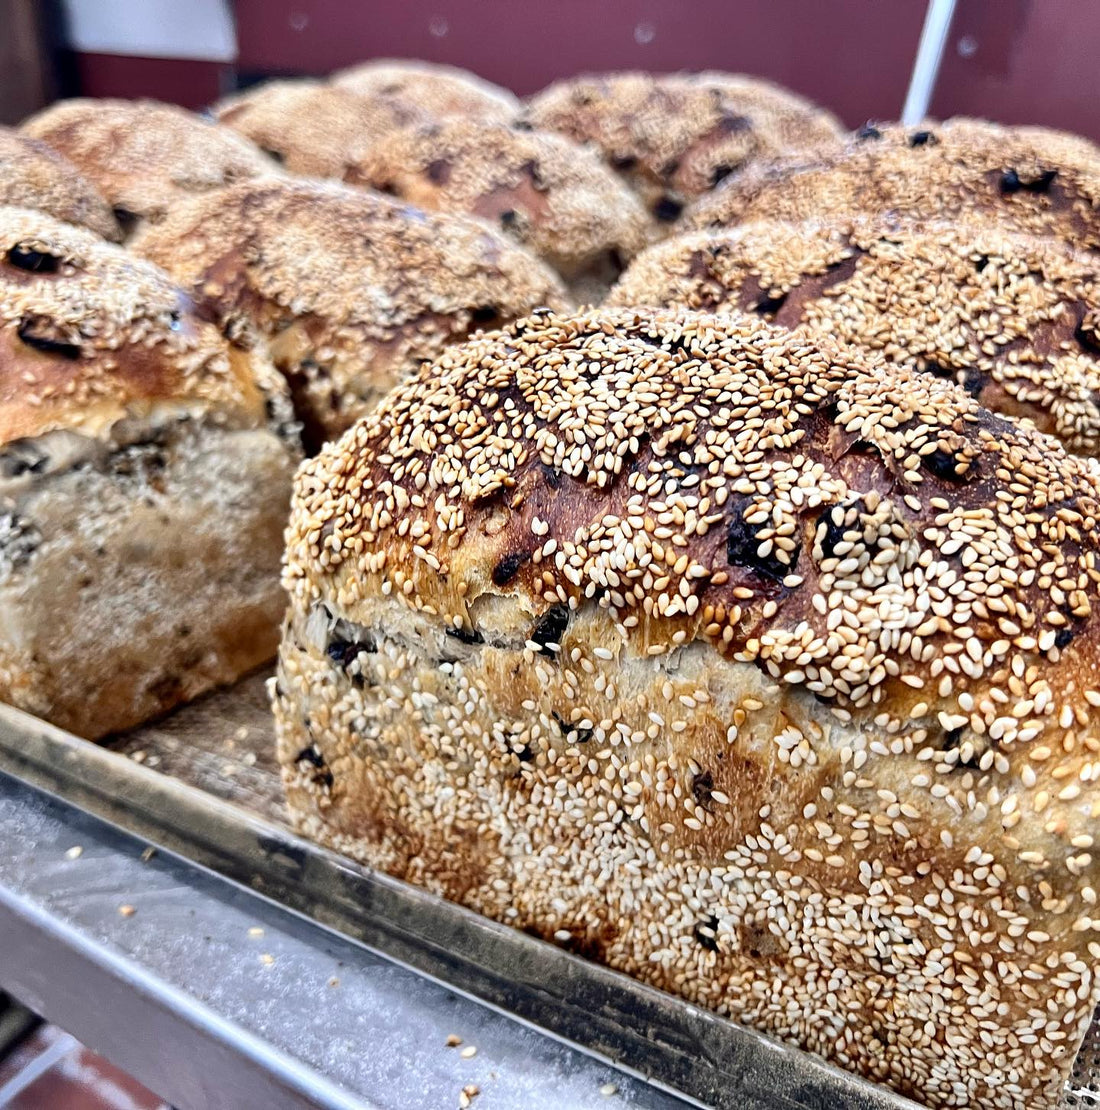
(926, 67)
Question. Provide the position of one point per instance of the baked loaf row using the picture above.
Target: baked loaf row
(717, 654)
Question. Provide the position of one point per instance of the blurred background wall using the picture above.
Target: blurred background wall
(1020, 61)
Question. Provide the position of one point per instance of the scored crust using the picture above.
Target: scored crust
(90, 335)
(1029, 179)
(437, 91)
(676, 136)
(1012, 318)
(311, 127)
(145, 156)
(717, 656)
(559, 200)
(33, 175)
(352, 290)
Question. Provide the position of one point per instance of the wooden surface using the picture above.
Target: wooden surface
(224, 743)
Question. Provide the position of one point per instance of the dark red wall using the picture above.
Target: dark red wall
(1033, 61)
(853, 55)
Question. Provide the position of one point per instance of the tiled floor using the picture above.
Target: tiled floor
(52, 1071)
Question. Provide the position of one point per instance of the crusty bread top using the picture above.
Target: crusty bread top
(1013, 318)
(677, 135)
(352, 257)
(436, 91)
(312, 127)
(90, 335)
(1028, 179)
(557, 198)
(876, 538)
(33, 175)
(145, 156)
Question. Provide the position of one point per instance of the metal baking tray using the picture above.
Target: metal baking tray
(203, 783)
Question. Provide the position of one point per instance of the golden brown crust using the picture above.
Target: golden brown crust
(1028, 179)
(90, 335)
(353, 290)
(311, 127)
(1011, 318)
(436, 91)
(558, 199)
(145, 156)
(33, 175)
(676, 136)
(803, 725)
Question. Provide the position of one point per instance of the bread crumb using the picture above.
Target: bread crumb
(75, 852)
(267, 959)
(148, 854)
(127, 910)
(453, 1041)
(334, 982)
(609, 1089)
(139, 755)
(468, 1052)
(468, 1094)
(249, 759)
(255, 931)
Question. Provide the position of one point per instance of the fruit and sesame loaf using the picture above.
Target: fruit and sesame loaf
(311, 127)
(1012, 318)
(1029, 179)
(352, 290)
(719, 656)
(676, 136)
(436, 91)
(560, 200)
(145, 156)
(145, 475)
(33, 175)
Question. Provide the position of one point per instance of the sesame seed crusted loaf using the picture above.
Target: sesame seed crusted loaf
(435, 90)
(311, 127)
(1011, 318)
(145, 156)
(675, 635)
(676, 136)
(1027, 179)
(560, 200)
(33, 175)
(145, 471)
(352, 290)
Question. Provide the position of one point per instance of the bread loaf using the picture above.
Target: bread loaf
(145, 472)
(1021, 178)
(352, 290)
(437, 91)
(312, 127)
(1012, 318)
(33, 175)
(145, 157)
(705, 651)
(559, 200)
(676, 136)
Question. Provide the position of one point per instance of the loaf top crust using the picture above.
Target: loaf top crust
(90, 335)
(356, 259)
(33, 175)
(924, 567)
(436, 91)
(312, 127)
(1029, 179)
(559, 199)
(677, 135)
(1012, 318)
(145, 156)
